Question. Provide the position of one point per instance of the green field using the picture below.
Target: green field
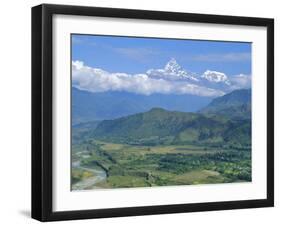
(98, 164)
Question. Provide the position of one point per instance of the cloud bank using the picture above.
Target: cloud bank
(240, 81)
(172, 79)
(98, 80)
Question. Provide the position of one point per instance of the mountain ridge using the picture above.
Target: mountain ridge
(170, 79)
(87, 106)
(234, 104)
(159, 126)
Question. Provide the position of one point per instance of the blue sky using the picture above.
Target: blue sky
(137, 55)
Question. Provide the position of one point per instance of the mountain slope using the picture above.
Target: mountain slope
(172, 71)
(159, 126)
(88, 106)
(235, 104)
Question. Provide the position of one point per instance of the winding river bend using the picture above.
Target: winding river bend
(98, 175)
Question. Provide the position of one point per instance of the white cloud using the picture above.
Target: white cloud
(240, 81)
(98, 80)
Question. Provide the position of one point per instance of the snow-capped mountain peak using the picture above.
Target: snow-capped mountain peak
(215, 76)
(172, 71)
(173, 66)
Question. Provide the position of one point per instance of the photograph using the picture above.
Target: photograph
(149, 111)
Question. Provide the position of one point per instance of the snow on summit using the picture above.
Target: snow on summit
(173, 67)
(172, 71)
(172, 79)
(215, 76)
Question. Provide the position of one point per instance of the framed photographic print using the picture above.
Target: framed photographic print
(145, 112)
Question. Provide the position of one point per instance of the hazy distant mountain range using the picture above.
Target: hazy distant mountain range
(163, 106)
(99, 95)
(88, 106)
(225, 120)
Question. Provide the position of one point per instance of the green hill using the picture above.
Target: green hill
(159, 126)
(236, 104)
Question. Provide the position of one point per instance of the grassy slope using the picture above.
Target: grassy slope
(236, 104)
(161, 127)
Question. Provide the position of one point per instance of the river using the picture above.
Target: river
(99, 175)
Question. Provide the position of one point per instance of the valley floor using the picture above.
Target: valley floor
(97, 164)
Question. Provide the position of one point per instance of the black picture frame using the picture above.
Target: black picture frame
(42, 107)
